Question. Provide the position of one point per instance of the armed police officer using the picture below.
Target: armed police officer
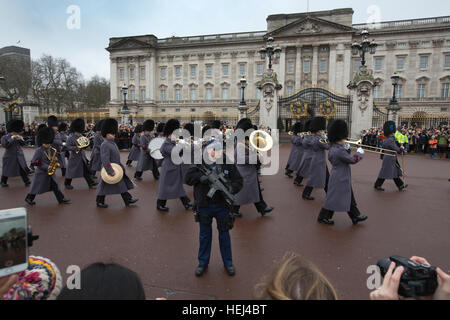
(215, 184)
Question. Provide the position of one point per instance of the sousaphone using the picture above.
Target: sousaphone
(117, 177)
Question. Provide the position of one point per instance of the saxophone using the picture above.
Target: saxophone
(54, 164)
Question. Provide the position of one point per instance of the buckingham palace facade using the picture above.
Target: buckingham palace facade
(199, 76)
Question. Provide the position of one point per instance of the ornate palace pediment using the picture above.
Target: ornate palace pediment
(309, 26)
(128, 43)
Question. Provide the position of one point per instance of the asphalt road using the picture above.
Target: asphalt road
(162, 248)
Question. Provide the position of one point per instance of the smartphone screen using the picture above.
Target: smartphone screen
(13, 241)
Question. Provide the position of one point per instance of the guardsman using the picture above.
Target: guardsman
(62, 130)
(318, 174)
(52, 122)
(45, 157)
(305, 161)
(110, 154)
(215, 207)
(135, 152)
(170, 185)
(14, 164)
(296, 152)
(340, 196)
(391, 168)
(96, 163)
(77, 166)
(251, 191)
(146, 162)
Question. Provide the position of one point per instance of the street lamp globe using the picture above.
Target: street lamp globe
(355, 48)
(395, 79)
(277, 52)
(243, 83)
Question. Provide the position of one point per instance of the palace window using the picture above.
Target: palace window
(323, 66)
(445, 90)
(290, 67)
(143, 95)
(209, 70)
(163, 95)
(142, 73)
(258, 94)
(193, 71)
(378, 64)
(178, 72)
(177, 94)
(163, 73)
(399, 91)
(132, 95)
(122, 73)
(224, 109)
(259, 69)
(163, 110)
(307, 66)
(208, 94)
(226, 69)
(400, 63)
(193, 110)
(377, 92)
(421, 90)
(177, 110)
(447, 61)
(242, 69)
(423, 62)
(193, 94)
(131, 73)
(289, 90)
(224, 93)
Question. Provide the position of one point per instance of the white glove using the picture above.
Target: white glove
(361, 151)
(347, 146)
(64, 144)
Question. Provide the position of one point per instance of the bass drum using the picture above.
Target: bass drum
(155, 148)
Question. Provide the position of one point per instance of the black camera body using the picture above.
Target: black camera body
(31, 237)
(418, 280)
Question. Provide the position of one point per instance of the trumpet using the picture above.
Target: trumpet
(358, 144)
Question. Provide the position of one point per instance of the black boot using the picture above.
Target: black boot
(187, 203)
(325, 217)
(101, 202)
(307, 194)
(161, 205)
(128, 199)
(60, 197)
(68, 184)
(129, 162)
(235, 210)
(288, 173)
(200, 270)
(231, 271)
(138, 176)
(359, 219)
(5, 182)
(30, 199)
(63, 172)
(298, 181)
(379, 188)
(403, 187)
(266, 211)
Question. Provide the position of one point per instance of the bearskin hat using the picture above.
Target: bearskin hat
(338, 131)
(139, 128)
(62, 127)
(190, 127)
(98, 126)
(317, 124)
(216, 124)
(389, 128)
(41, 126)
(78, 125)
(15, 126)
(109, 126)
(244, 124)
(308, 126)
(149, 125)
(52, 121)
(297, 128)
(45, 136)
(171, 126)
(160, 128)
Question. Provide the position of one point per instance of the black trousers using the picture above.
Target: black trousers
(86, 174)
(353, 213)
(155, 171)
(308, 190)
(53, 187)
(126, 196)
(398, 182)
(23, 175)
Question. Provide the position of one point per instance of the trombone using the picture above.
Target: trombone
(300, 134)
(384, 152)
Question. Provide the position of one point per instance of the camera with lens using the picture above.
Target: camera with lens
(418, 280)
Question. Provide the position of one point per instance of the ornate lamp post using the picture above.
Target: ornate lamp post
(243, 108)
(394, 107)
(125, 112)
(270, 51)
(366, 46)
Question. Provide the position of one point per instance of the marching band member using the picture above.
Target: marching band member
(96, 163)
(135, 152)
(78, 163)
(159, 134)
(215, 207)
(391, 168)
(170, 184)
(41, 126)
(52, 122)
(191, 149)
(14, 164)
(146, 162)
(297, 150)
(109, 154)
(62, 129)
(44, 158)
(251, 192)
(318, 174)
(340, 196)
(305, 160)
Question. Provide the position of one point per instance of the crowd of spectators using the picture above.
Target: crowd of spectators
(434, 142)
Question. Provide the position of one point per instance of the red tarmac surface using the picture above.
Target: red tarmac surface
(162, 248)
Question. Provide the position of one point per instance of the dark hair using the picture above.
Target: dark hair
(102, 281)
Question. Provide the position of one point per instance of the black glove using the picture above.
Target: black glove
(204, 180)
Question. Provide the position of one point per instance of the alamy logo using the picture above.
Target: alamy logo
(74, 20)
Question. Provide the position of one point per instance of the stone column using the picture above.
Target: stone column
(332, 67)
(361, 91)
(269, 86)
(298, 69)
(315, 65)
(113, 84)
(347, 66)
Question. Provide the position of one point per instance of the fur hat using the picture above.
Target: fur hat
(308, 126)
(52, 121)
(15, 126)
(62, 127)
(139, 128)
(297, 128)
(78, 125)
(338, 131)
(41, 281)
(171, 126)
(216, 124)
(317, 124)
(244, 124)
(160, 128)
(190, 127)
(98, 126)
(45, 136)
(149, 125)
(41, 126)
(389, 128)
(109, 126)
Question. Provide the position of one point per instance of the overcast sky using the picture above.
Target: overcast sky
(41, 25)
